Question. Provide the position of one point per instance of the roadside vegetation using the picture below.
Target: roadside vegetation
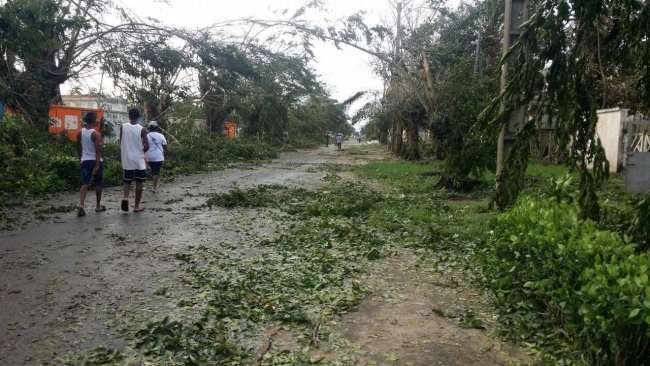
(574, 290)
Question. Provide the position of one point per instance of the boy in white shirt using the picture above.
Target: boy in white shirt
(157, 152)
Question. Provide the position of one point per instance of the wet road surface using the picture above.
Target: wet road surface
(66, 283)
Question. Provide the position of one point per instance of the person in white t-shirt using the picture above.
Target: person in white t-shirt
(339, 140)
(157, 152)
(134, 144)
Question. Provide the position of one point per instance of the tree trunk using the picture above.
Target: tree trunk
(412, 151)
(383, 136)
(397, 142)
(213, 105)
(252, 129)
(215, 117)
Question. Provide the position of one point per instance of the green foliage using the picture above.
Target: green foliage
(32, 161)
(629, 216)
(466, 92)
(401, 174)
(254, 197)
(148, 71)
(277, 97)
(460, 86)
(319, 115)
(572, 290)
(66, 168)
(45, 43)
(201, 342)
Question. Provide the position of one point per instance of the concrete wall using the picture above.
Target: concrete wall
(610, 131)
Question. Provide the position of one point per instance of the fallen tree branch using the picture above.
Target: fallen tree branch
(265, 348)
(170, 135)
(314, 335)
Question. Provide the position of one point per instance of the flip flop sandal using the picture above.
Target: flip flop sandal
(81, 213)
(102, 209)
(125, 205)
(140, 210)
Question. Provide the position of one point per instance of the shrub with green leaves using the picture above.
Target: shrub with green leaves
(572, 290)
(32, 161)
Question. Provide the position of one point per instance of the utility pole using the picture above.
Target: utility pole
(396, 143)
(398, 33)
(516, 14)
(477, 60)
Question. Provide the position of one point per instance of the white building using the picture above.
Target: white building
(116, 111)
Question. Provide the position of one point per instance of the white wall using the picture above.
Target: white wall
(610, 131)
(80, 103)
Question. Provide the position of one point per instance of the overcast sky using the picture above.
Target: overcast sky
(345, 72)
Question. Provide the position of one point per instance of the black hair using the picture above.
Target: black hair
(91, 117)
(134, 113)
(153, 128)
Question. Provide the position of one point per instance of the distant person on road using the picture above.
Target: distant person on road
(359, 138)
(134, 144)
(157, 152)
(89, 151)
(339, 141)
(327, 139)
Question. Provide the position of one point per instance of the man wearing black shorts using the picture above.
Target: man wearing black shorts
(134, 144)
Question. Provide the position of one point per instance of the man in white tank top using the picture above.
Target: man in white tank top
(134, 145)
(89, 151)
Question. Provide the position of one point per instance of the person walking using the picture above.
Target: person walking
(134, 144)
(89, 151)
(327, 139)
(339, 141)
(157, 152)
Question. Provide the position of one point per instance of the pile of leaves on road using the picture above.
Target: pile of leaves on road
(300, 279)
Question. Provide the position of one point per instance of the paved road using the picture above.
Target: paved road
(65, 281)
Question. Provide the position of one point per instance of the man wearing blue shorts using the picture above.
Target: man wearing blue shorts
(89, 151)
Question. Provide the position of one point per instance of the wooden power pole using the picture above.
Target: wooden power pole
(396, 143)
(516, 14)
(398, 33)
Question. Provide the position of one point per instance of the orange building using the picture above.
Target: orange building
(69, 119)
(229, 130)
